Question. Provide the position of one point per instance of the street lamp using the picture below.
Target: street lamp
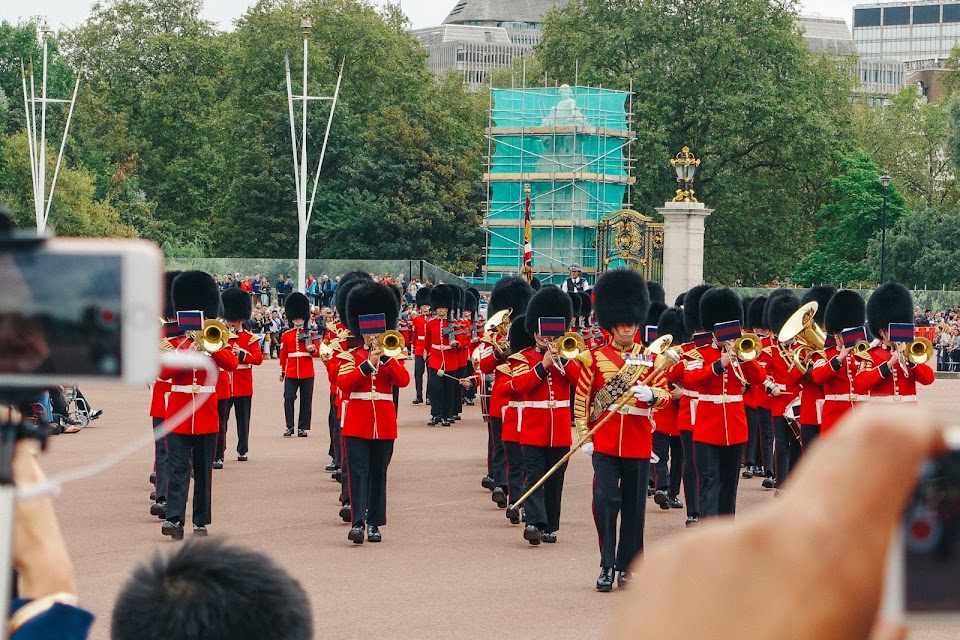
(685, 164)
(885, 183)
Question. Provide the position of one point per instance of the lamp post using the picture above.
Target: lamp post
(685, 164)
(885, 183)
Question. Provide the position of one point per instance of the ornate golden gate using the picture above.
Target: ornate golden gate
(630, 239)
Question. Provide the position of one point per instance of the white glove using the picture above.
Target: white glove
(587, 448)
(642, 393)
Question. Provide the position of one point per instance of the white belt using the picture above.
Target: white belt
(846, 397)
(691, 394)
(371, 395)
(515, 404)
(782, 387)
(442, 347)
(299, 354)
(721, 399)
(633, 411)
(891, 399)
(244, 366)
(541, 404)
(187, 388)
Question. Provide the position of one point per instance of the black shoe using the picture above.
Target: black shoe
(241, 457)
(469, 403)
(455, 418)
(331, 467)
(675, 503)
(153, 496)
(624, 578)
(172, 529)
(660, 497)
(500, 497)
(355, 534)
(345, 512)
(96, 414)
(432, 422)
(288, 433)
(513, 517)
(487, 483)
(605, 581)
(531, 534)
(428, 402)
(70, 421)
(549, 537)
(373, 534)
(650, 491)
(301, 433)
(199, 530)
(337, 475)
(418, 401)
(446, 423)
(769, 483)
(159, 509)
(153, 478)
(692, 521)
(218, 464)
(747, 473)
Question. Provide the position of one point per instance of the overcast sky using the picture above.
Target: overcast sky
(422, 13)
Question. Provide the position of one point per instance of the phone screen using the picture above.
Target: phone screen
(60, 314)
(931, 532)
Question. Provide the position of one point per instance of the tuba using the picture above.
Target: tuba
(498, 325)
(809, 337)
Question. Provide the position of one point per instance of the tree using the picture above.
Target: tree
(923, 249)
(735, 82)
(847, 224)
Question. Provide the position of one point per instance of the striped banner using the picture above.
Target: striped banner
(900, 332)
(373, 323)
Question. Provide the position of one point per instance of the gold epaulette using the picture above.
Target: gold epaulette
(519, 357)
(345, 355)
(253, 340)
(505, 369)
(692, 354)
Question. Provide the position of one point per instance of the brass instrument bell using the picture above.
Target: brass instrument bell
(214, 336)
(391, 343)
(919, 351)
(747, 347)
(571, 345)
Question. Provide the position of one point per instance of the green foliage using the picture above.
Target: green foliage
(736, 83)
(922, 249)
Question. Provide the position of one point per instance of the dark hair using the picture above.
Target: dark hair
(211, 591)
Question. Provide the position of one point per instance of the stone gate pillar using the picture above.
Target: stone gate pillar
(683, 227)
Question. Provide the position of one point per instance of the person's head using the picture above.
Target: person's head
(289, 278)
(441, 299)
(210, 590)
(575, 271)
(622, 303)
(237, 275)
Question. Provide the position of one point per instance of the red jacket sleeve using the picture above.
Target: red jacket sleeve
(923, 374)
(225, 359)
(399, 375)
(253, 353)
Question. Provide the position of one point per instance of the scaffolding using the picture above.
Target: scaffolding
(572, 145)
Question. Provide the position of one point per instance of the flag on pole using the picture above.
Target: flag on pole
(527, 269)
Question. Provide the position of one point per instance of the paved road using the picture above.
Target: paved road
(450, 564)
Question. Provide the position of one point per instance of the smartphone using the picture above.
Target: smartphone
(75, 309)
(923, 574)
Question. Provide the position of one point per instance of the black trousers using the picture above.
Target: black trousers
(516, 473)
(766, 441)
(496, 458)
(290, 388)
(367, 461)
(691, 488)
(333, 424)
(241, 407)
(182, 452)
(808, 434)
(753, 437)
(619, 488)
(668, 447)
(443, 395)
(787, 448)
(718, 470)
(543, 506)
(160, 460)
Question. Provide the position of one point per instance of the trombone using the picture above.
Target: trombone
(571, 345)
(214, 336)
(919, 351)
(391, 343)
(747, 347)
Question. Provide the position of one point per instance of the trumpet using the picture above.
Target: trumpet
(571, 345)
(917, 352)
(391, 343)
(214, 336)
(747, 347)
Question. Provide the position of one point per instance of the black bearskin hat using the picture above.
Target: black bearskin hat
(510, 292)
(657, 294)
(518, 337)
(236, 304)
(720, 304)
(678, 303)
(691, 308)
(656, 310)
(779, 309)
(423, 296)
(196, 291)
(549, 302)
(395, 290)
(471, 303)
(575, 301)
(754, 318)
(671, 322)
(777, 293)
(297, 307)
(442, 296)
(846, 309)
(457, 298)
(820, 294)
(371, 297)
(476, 294)
(890, 302)
(169, 313)
(747, 301)
(535, 283)
(620, 297)
(586, 304)
(347, 282)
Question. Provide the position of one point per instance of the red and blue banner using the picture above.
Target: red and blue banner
(900, 332)
(172, 329)
(726, 331)
(373, 323)
(649, 333)
(190, 320)
(853, 335)
(553, 327)
(702, 339)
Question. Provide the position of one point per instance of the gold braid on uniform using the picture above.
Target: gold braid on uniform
(522, 368)
(581, 401)
(348, 363)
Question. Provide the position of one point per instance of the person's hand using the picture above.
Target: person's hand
(587, 448)
(725, 359)
(775, 391)
(843, 353)
(642, 393)
(281, 376)
(374, 357)
(676, 392)
(466, 383)
(311, 347)
(548, 356)
(895, 357)
(816, 546)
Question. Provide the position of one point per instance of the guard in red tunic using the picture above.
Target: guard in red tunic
(158, 408)
(513, 293)
(835, 372)
(369, 421)
(720, 425)
(811, 392)
(889, 376)
(473, 331)
(298, 348)
(191, 444)
(541, 382)
(419, 342)
(666, 436)
(783, 385)
(516, 471)
(616, 386)
(238, 384)
(441, 346)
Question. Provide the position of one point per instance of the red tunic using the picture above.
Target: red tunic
(836, 378)
(295, 361)
(544, 397)
(676, 375)
(785, 378)
(811, 395)
(368, 410)
(185, 385)
(239, 383)
(158, 398)
(510, 412)
(440, 349)
(419, 334)
(490, 365)
(890, 384)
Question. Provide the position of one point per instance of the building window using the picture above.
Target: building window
(867, 17)
(926, 14)
(951, 13)
(896, 15)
